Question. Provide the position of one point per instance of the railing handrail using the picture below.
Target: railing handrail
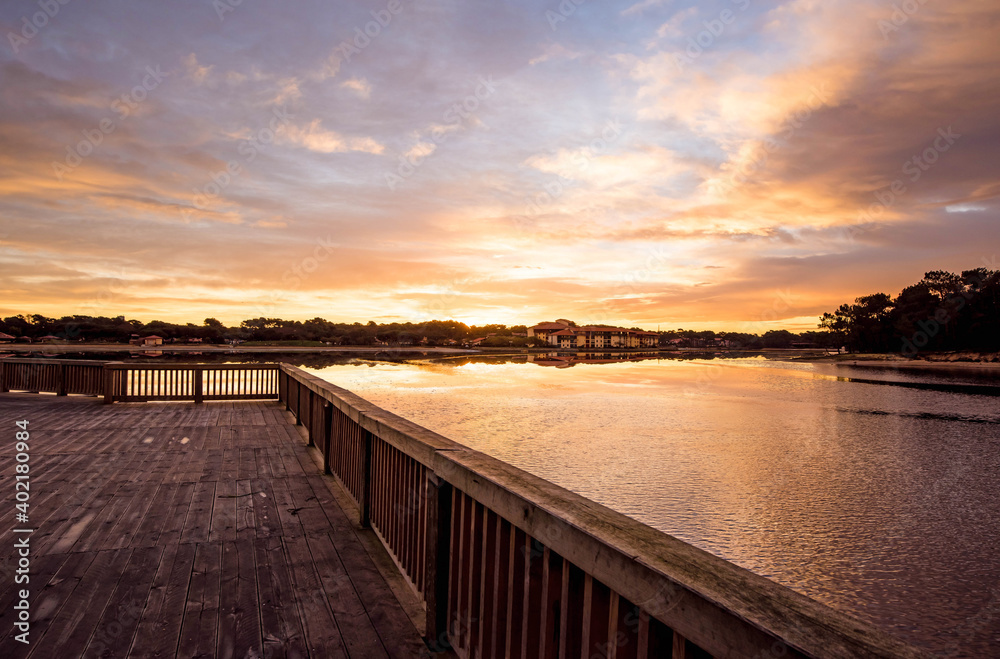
(145, 366)
(648, 566)
(46, 360)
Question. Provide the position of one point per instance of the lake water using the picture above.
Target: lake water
(874, 491)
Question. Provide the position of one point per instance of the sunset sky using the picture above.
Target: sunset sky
(730, 165)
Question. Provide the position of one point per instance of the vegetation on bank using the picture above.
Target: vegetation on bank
(321, 332)
(942, 312)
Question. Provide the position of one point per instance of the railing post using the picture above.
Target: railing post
(199, 384)
(366, 480)
(109, 384)
(309, 416)
(438, 549)
(298, 403)
(4, 386)
(327, 434)
(61, 380)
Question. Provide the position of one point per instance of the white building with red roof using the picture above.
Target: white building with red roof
(563, 335)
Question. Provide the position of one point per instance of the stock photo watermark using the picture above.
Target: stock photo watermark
(535, 204)
(945, 312)
(457, 114)
(365, 35)
(900, 16)
(294, 276)
(562, 12)
(705, 39)
(758, 157)
(48, 9)
(123, 106)
(248, 149)
(912, 170)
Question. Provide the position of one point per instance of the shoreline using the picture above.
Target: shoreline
(923, 365)
(903, 363)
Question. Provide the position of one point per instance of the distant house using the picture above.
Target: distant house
(5, 338)
(151, 340)
(479, 340)
(49, 337)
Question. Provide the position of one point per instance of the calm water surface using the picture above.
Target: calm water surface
(878, 497)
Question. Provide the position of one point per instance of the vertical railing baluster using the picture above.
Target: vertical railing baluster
(199, 395)
(61, 380)
(438, 495)
(310, 426)
(108, 384)
(366, 480)
(327, 434)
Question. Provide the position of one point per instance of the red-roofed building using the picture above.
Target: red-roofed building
(562, 335)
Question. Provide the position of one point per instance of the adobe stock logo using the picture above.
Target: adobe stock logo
(249, 148)
(38, 20)
(123, 106)
(913, 168)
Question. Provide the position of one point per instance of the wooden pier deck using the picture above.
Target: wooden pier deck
(172, 529)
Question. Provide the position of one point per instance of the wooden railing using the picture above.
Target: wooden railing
(140, 382)
(510, 565)
(131, 383)
(56, 376)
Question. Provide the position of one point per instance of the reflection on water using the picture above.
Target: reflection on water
(879, 499)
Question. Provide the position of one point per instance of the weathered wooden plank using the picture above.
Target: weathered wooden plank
(77, 620)
(223, 528)
(52, 578)
(175, 517)
(116, 627)
(318, 623)
(281, 630)
(266, 521)
(199, 628)
(246, 499)
(356, 629)
(198, 523)
(131, 518)
(160, 625)
(285, 508)
(239, 613)
(83, 505)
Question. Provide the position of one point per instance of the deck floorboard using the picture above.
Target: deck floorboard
(183, 530)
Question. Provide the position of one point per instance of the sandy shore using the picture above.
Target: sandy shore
(923, 365)
(896, 362)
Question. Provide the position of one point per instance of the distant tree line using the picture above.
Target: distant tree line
(120, 330)
(941, 312)
(746, 341)
(316, 330)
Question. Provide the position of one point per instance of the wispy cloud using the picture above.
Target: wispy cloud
(753, 151)
(315, 138)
